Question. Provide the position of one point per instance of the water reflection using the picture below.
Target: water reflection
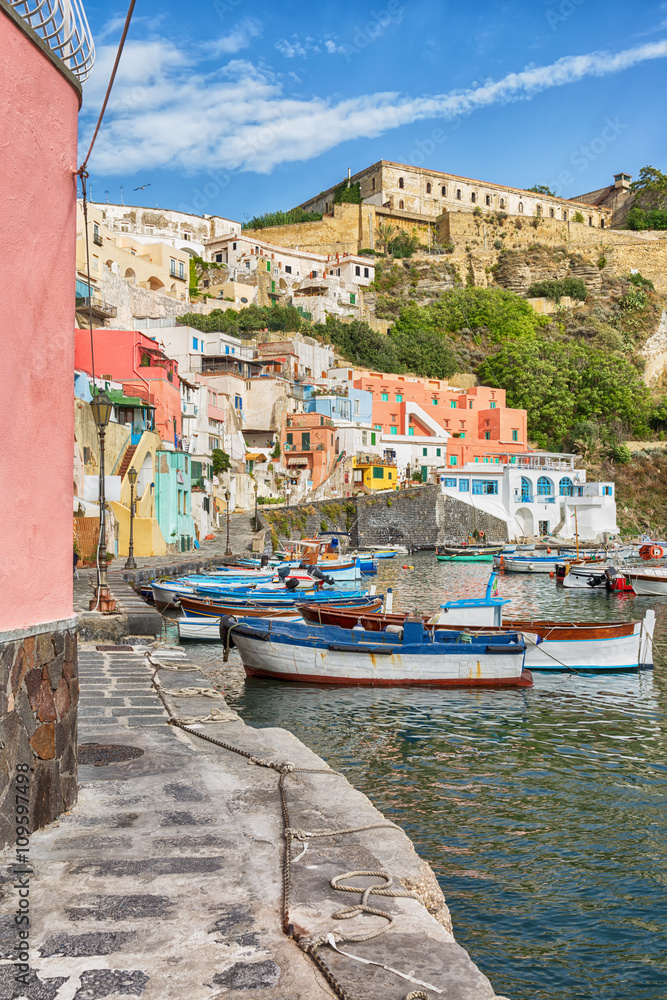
(542, 811)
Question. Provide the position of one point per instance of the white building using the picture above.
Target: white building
(320, 284)
(413, 452)
(156, 225)
(537, 494)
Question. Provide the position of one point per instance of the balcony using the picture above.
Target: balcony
(62, 26)
(361, 461)
(100, 308)
(530, 498)
(98, 240)
(189, 410)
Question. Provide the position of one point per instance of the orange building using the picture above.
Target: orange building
(476, 422)
(307, 442)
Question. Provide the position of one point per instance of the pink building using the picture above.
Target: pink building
(40, 100)
(130, 357)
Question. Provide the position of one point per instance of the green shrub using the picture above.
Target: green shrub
(620, 454)
(556, 289)
(281, 218)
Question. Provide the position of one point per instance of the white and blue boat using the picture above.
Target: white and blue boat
(410, 656)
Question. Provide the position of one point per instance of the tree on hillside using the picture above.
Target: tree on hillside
(541, 189)
(385, 232)
(650, 189)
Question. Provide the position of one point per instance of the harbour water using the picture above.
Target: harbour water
(542, 811)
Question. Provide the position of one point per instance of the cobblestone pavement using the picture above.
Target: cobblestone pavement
(115, 688)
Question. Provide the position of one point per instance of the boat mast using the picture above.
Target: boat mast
(576, 531)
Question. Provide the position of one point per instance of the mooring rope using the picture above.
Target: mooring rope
(331, 938)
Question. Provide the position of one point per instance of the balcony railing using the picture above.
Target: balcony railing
(62, 26)
(530, 498)
(100, 308)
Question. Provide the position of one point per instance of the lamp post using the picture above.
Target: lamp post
(228, 497)
(132, 476)
(256, 522)
(101, 406)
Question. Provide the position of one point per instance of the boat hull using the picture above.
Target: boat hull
(194, 608)
(208, 629)
(338, 656)
(467, 559)
(648, 585)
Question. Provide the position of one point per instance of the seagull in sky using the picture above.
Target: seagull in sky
(143, 187)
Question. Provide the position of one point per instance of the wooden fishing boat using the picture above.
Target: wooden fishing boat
(208, 629)
(557, 646)
(194, 607)
(648, 581)
(417, 657)
(468, 557)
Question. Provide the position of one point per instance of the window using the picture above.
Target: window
(492, 404)
(473, 197)
(195, 344)
(247, 264)
(543, 527)
(373, 437)
(487, 435)
(288, 439)
(464, 485)
(544, 487)
(470, 404)
(378, 472)
(238, 402)
(515, 434)
(357, 271)
(449, 482)
(218, 258)
(564, 214)
(393, 430)
(428, 189)
(366, 273)
(462, 434)
(453, 460)
(485, 487)
(590, 220)
(233, 246)
(411, 431)
(552, 213)
(462, 424)
(606, 491)
(487, 200)
(305, 441)
(353, 298)
(372, 184)
(399, 397)
(401, 204)
(268, 265)
(458, 194)
(521, 206)
(443, 191)
(565, 487)
(434, 402)
(378, 427)
(502, 202)
(453, 404)
(172, 267)
(288, 268)
(438, 452)
(181, 269)
(401, 183)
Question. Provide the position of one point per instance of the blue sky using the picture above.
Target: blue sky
(236, 109)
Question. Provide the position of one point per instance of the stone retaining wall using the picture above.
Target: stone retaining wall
(421, 517)
(39, 694)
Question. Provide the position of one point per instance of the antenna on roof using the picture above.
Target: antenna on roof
(349, 176)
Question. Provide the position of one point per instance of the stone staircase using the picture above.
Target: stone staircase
(127, 460)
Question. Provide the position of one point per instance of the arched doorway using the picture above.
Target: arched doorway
(525, 522)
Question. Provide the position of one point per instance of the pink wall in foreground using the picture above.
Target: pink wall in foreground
(38, 136)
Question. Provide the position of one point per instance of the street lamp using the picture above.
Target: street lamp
(132, 476)
(101, 406)
(256, 521)
(228, 497)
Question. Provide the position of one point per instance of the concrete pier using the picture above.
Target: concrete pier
(167, 879)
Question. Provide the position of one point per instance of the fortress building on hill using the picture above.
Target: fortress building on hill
(419, 194)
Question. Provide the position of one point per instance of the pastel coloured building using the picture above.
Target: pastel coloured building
(308, 445)
(140, 364)
(40, 83)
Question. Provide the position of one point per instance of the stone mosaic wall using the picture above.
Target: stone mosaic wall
(39, 694)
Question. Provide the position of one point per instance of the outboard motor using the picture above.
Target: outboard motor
(292, 583)
(303, 565)
(284, 572)
(319, 575)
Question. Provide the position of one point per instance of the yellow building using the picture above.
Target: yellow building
(155, 266)
(373, 473)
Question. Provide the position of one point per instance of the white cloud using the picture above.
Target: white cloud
(238, 38)
(294, 46)
(167, 113)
